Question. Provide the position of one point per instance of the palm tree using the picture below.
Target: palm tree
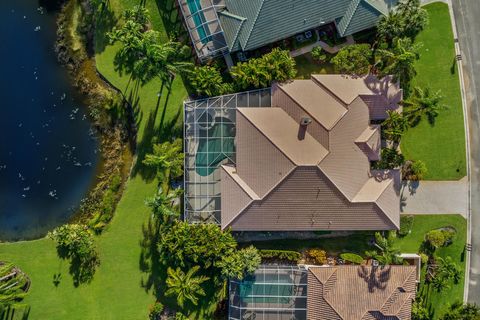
(388, 253)
(449, 269)
(423, 102)
(390, 27)
(399, 61)
(163, 205)
(394, 126)
(12, 287)
(167, 158)
(185, 286)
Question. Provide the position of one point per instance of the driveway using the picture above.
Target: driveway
(435, 197)
(467, 13)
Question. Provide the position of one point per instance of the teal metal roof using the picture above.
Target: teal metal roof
(361, 15)
(267, 21)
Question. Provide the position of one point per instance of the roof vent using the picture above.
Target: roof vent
(305, 121)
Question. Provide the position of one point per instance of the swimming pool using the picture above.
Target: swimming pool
(199, 18)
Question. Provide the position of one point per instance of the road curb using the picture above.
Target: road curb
(461, 78)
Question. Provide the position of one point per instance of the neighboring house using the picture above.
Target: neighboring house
(324, 293)
(223, 26)
(304, 163)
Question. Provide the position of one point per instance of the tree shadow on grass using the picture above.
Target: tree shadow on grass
(106, 20)
(15, 314)
(153, 133)
(172, 20)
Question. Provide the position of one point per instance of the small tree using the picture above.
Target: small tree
(460, 311)
(75, 242)
(277, 65)
(318, 54)
(207, 80)
(390, 159)
(414, 170)
(419, 311)
(12, 288)
(156, 311)
(353, 59)
(394, 126)
(436, 238)
(240, 263)
(167, 159)
(400, 60)
(185, 286)
(422, 103)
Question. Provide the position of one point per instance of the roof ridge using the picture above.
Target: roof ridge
(349, 15)
(253, 24)
(329, 92)
(278, 147)
(242, 20)
(375, 6)
(261, 198)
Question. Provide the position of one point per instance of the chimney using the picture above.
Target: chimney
(304, 122)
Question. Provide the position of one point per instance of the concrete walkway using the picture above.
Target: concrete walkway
(324, 45)
(435, 197)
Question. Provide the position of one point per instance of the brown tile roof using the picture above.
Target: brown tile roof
(278, 126)
(309, 178)
(307, 95)
(360, 292)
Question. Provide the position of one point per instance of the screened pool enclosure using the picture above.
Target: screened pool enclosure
(272, 292)
(209, 132)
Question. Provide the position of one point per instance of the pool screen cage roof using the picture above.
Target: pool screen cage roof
(272, 292)
(209, 137)
(203, 25)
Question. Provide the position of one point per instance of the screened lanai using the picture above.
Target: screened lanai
(272, 292)
(201, 19)
(209, 137)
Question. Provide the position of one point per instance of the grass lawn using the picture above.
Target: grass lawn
(118, 290)
(306, 67)
(441, 147)
(439, 302)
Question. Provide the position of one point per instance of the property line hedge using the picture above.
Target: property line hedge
(293, 256)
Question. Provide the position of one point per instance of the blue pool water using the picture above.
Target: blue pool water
(199, 18)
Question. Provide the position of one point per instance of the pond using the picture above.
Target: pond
(48, 151)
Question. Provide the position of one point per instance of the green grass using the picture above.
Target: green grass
(118, 290)
(441, 147)
(306, 67)
(439, 302)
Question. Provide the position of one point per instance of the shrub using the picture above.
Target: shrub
(352, 257)
(277, 65)
(439, 238)
(208, 81)
(317, 255)
(155, 311)
(353, 59)
(414, 170)
(288, 255)
(318, 54)
(406, 223)
(423, 258)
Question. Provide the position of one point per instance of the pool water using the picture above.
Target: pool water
(199, 18)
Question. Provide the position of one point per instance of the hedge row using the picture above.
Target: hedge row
(293, 256)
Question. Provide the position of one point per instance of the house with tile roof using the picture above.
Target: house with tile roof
(225, 26)
(305, 163)
(341, 292)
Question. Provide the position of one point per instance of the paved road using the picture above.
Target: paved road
(467, 17)
(435, 197)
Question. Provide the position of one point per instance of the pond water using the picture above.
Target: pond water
(48, 150)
